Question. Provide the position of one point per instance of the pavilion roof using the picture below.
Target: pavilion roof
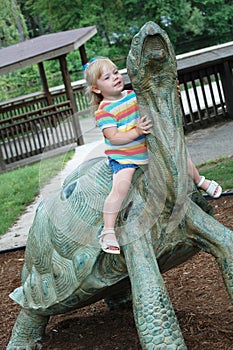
(43, 48)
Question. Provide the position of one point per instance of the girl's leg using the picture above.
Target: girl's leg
(193, 172)
(196, 177)
(120, 187)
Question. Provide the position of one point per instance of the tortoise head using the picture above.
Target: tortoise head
(151, 59)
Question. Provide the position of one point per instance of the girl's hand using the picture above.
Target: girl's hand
(143, 126)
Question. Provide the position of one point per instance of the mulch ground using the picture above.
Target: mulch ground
(196, 290)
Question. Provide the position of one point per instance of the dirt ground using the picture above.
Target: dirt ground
(196, 290)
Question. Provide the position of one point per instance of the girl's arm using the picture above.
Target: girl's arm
(120, 138)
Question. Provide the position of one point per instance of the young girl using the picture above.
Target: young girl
(117, 115)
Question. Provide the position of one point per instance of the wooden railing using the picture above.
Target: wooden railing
(28, 125)
(37, 101)
(207, 80)
(33, 132)
(202, 98)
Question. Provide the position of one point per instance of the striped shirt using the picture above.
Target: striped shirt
(122, 114)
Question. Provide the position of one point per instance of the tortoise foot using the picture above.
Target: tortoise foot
(27, 331)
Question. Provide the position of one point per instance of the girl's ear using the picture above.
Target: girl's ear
(96, 90)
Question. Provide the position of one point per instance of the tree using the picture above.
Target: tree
(36, 23)
(118, 21)
(12, 23)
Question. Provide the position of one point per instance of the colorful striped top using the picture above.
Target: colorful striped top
(123, 114)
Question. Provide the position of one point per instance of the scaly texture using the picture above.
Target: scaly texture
(159, 225)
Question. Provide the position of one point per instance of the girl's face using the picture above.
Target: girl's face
(110, 83)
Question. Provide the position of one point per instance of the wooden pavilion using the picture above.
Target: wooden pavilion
(46, 47)
(29, 126)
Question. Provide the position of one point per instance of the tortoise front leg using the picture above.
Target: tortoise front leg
(27, 331)
(154, 315)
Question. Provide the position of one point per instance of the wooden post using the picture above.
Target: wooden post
(45, 83)
(2, 162)
(83, 54)
(71, 98)
(227, 85)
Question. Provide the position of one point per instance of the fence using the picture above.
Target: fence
(28, 134)
(28, 125)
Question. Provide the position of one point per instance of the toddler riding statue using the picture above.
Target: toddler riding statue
(159, 225)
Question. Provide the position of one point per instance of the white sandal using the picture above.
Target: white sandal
(211, 190)
(108, 243)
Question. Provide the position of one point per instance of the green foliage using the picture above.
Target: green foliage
(18, 188)
(37, 21)
(12, 24)
(27, 80)
(217, 16)
(118, 21)
(195, 24)
(20, 82)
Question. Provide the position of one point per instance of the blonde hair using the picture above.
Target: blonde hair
(92, 73)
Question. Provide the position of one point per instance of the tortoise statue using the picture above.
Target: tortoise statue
(159, 227)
